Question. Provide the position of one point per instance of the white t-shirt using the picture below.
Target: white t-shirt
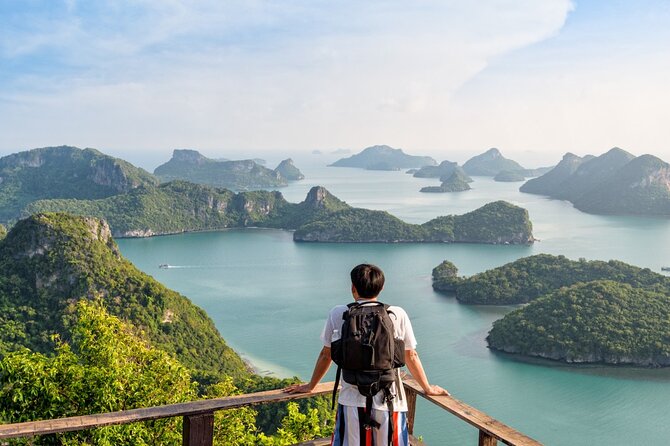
(349, 394)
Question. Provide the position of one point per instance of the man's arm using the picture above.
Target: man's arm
(320, 369)
(416, 369)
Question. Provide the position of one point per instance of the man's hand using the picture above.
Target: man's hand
(436, 391)
(298, 388)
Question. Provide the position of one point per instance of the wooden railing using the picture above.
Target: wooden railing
(198, 426)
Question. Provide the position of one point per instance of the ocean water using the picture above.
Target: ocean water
(269, 296)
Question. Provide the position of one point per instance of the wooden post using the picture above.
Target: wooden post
(410, 394)
(198, 430)
(487, 440)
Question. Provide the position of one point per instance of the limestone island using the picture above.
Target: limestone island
(190, 165)
(528, 278)
(384, 158)
(615, 183)
(577, 311)
(179, 206)
(443, 171)
(457, 182)
(509, 176)
(603, 322)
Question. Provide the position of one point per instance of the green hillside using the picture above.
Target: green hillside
(63, 172)
(50, 261)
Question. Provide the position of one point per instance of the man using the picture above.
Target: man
(367, 281)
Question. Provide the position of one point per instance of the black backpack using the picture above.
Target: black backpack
(367, 355)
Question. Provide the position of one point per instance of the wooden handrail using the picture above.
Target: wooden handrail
(199, 416)
(488, 427)
(154, 413)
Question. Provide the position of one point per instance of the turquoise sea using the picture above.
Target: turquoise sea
(269, 296)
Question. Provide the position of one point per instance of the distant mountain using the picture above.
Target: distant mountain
(443, 171)
(180, 207)
(592, 173)
(190, 165)
(288, 170)
(553, 180)
(48, 262)
(63, 172)
(613, 183)
(457, 182)
(391, 159)
(509, 176)
(641, 187)
(489, 164)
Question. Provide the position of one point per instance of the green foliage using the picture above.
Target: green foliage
(63, 172)
(232, 427)
(189, 165)
(600, 321)
(49, 261)
(296, 427)
(269, 416)
(103, 368)
(3, 231)
(531, 277)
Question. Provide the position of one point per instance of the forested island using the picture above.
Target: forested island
(443, 171)
(528, 278)
(596, 322)
(616, 183)
(83, 331)
(456, 182)
(384, 158)
(180, 207)
(190, 165)
(578, 311)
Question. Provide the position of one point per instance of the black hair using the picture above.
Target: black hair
(368, 280)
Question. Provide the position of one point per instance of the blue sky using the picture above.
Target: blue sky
(446, 78)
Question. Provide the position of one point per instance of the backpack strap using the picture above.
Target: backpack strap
(337, 383)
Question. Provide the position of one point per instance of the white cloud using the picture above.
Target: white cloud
(266, 74)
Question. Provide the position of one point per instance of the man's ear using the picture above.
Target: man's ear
(354, 292)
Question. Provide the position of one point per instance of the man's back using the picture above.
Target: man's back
(349, 394)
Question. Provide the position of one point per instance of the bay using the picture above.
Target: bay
(269, 296)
